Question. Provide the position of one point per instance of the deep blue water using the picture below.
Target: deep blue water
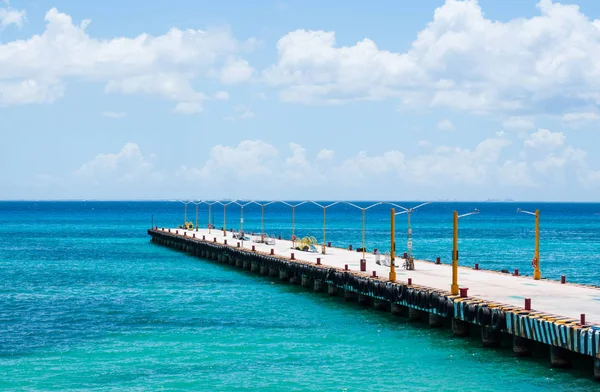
(87, 302)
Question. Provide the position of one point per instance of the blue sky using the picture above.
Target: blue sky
(459, 100)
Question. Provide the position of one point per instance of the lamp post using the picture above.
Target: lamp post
(293, 206)
(197, 203)
(242, 213)
(262, 217)
(407, 211)
(363, 209)
(324, 207)
(454, 286)
(225, 215)
(537, 275)
(209, 213)
(185, 203)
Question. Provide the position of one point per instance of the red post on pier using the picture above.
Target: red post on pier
(582, 319)
(516, 272)
(363, 265)
(438, 261)
(293, 257)
(563, 279)
(349, 247)
(329, 244)
(346, 267)
(203, 237)
(527, 303)
(476, 266)
(215, 239)
(463, 292)
(238, 244)
(272, 251)
(194, 235)
(253, 248)
(410, 281)
(318, 261)
(374, 274)
(225, 242)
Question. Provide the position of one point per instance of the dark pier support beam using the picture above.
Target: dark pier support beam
(364, 300)
(460, 328)
(560, 358)
(307, 281)
(319, 286)
(398, 309)
(489, 337)
(521, 346)
(414, 314)
(350, 295)
(597, 368)
(332, 290)
(435, 320)
(380, 304)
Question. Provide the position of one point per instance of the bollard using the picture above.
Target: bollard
(516, 272)
(318, 261)
(582, 319)
(203, 238)
(169, 230)
(363, 265)
(329, 244)
(278, 237)
(463, 292)
(349, 247)
(476, 266)
(346, 267)
(527, 303)
(375, 251)
(194, 235)
(405, 255)
(253, 248)
(272, 251)
(409, 281)
(438, 261)
(374, 274)
(225, 242)
(176, 231)
(185, 233)
(238, 244)
(293, 257)
(215, 239)
(163, 229)
(563, 279)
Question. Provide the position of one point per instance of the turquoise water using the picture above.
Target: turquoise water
(86, 302)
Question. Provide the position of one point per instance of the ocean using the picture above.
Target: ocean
(87, 302)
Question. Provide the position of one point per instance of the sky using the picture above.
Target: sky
(428, 100)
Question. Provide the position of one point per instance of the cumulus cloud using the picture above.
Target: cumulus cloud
(518, 123)
(545, 138)
(240, 112)
(445, 125)
(460, 60)
(325, 154)
(33, 70)
(10, 16)
(236, 71)
(127, 165)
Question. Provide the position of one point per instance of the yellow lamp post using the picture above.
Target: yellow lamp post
(185, 203)
(293, 207)
(197, 203)
(454, 285)
(537, 275)
(324, 207)
(408, 211)
(363, 209)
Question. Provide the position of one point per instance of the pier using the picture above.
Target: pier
(559, 315)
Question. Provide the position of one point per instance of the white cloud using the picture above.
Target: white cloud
(188, 108)
(245, 162)
(166, 65)
(580, 118)
(128, 165)
(240, 112)
(518, 123)
(545, 138)
(445, 125)
(460, 60)
(222, 95)
(325, 154)
(9, 16)
(114, 114)
(236, 71)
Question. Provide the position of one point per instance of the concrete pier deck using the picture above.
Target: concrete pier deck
(549, 296)
(494, 304)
